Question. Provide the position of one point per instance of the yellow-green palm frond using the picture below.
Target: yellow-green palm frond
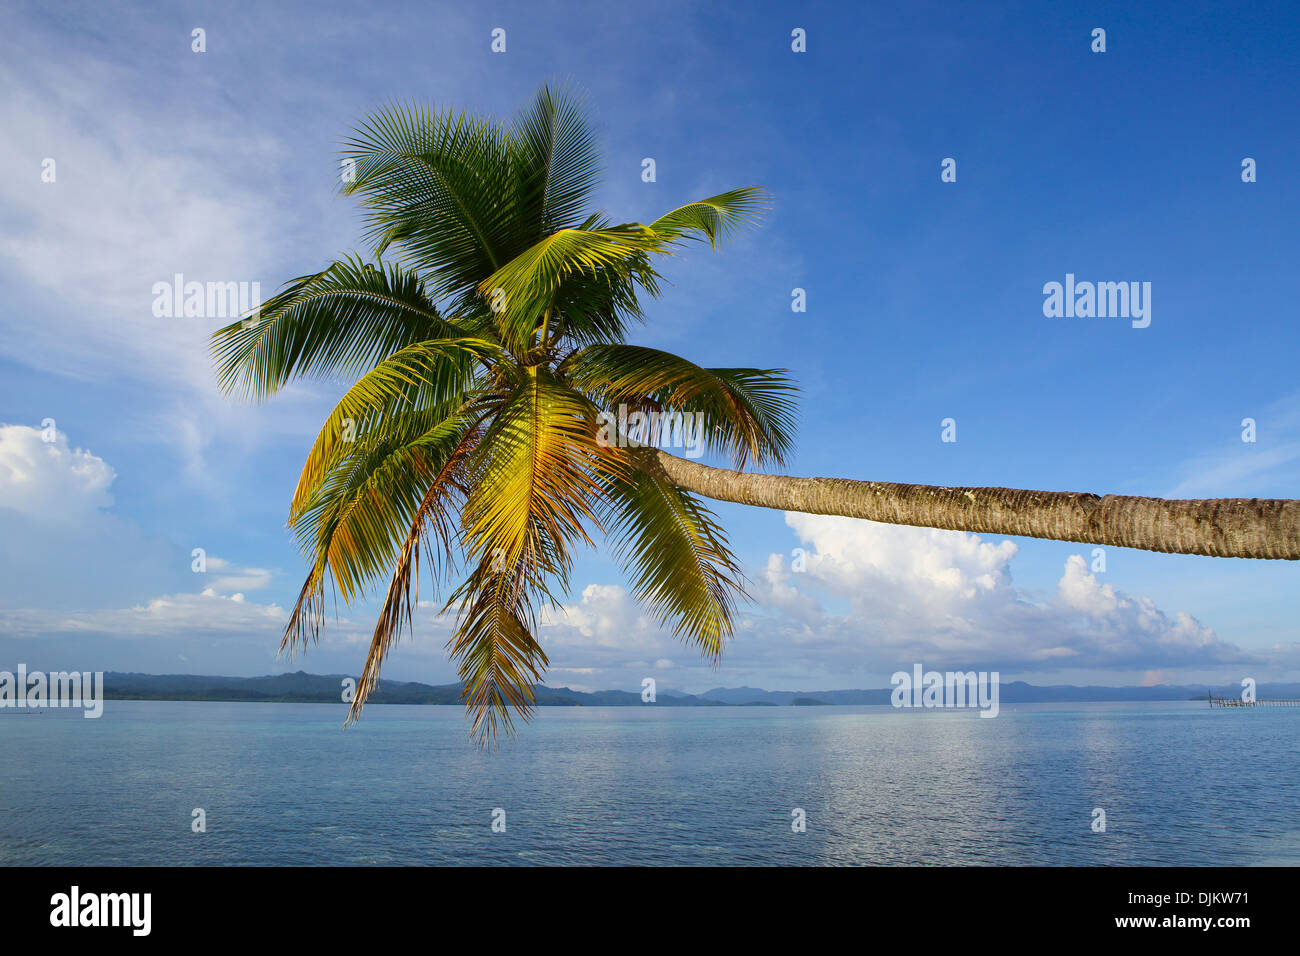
(498, 658)
(534, 479)
(677, 554)
(713, 218)
(432, 529)
(747, 413)
(535, 482)
(439, 374)
(524, 291)
(358, 520)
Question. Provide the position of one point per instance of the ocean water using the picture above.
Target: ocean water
(285, 784)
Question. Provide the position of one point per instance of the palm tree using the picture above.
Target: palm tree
(483, 359)
(489, 358)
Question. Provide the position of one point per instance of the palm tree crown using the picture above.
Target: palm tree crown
(489, 353)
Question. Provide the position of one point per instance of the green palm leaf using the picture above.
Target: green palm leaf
(746, 412)
(715, 217)
(440, 374)
(339, 321)
(524, 290)
(439, 185)
(559, 159)
(357, 520)
(677, 555)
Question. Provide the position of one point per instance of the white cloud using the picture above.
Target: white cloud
(955, 566)
(49, 479)
(872, 598)
(235, 578)
(605, 616)
(946, 597)
(605, 637)
(168, 615)
(151, 181)
(130, 206)
(61, 545)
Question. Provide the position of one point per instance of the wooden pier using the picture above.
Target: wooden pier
(1260, 702)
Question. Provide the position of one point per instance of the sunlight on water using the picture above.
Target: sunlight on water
(284, 784)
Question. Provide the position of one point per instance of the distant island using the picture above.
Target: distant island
(301, 687)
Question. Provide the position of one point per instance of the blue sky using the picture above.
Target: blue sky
(924, 302)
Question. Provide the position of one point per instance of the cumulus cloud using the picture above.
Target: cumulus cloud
(42, 476)
(605, 639)
(858, 600)
(71, 562)
(604, 616)
(948, 598)
(61, 545)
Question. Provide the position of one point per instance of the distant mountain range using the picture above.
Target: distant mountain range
(327, 688)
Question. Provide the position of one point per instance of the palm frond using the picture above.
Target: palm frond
(498, 658)
(559, 158)
(746, 412)
(439, 374)
(715, 217)
(339, 321)
(430, 525)
(534, 479)
(438, 185)
(358, 521)
(677, 554)
(524, 289)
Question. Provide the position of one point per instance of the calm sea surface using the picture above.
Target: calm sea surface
(284, 784)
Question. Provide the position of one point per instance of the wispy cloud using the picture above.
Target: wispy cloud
(1269, 465)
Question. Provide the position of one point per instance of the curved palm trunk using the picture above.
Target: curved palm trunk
(1219, 527)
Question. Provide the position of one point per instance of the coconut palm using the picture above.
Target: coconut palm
(486, 432)
(484, 355)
